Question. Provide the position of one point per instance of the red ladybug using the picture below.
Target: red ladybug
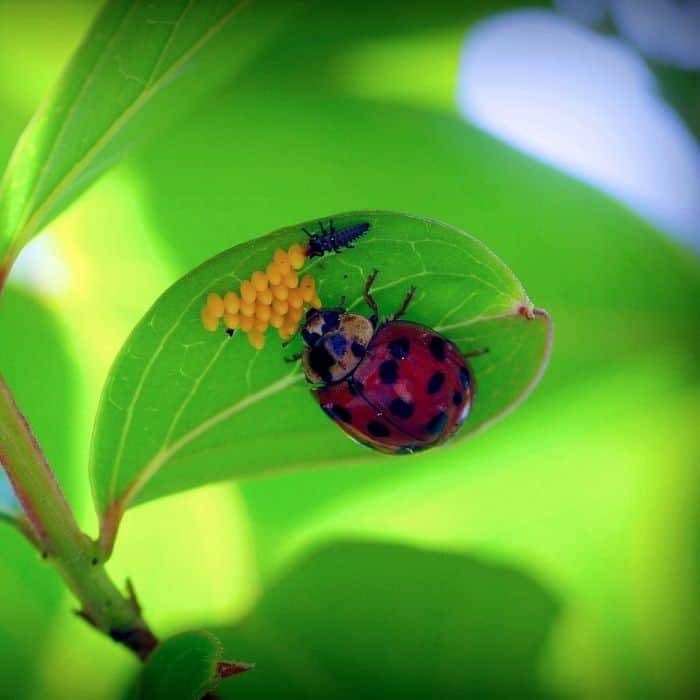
(397, 387)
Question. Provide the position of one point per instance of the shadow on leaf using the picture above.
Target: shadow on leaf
(360, 620)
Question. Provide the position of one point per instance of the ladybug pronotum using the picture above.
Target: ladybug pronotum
(397, 386)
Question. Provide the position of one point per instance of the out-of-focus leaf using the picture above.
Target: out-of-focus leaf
(183, 407)
(359, 620)
(133, 53)
(184, 667)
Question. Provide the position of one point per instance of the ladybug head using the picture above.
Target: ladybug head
(336, 342)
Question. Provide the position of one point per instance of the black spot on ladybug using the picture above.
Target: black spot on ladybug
(437, 348)
(355, 387)
(436, 382)
(437, 423)
(339, 344)
(401, 408)
(457, 398)
(341, 413)
(377, 429)
(464, 377)
(399, 348)
(310, 338)
(331, 321)
(320, 361)
(358, 349)
(389, 371)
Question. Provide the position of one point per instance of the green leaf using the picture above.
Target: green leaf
(183, 407)
(184, 667)
(135, 51)
(370, 620)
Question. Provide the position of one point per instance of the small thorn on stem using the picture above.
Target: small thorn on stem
(226, 669)
(131, 591)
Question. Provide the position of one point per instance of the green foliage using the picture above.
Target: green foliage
(184, 667)
(591, 487)
(370, 620)
(183, 407)
(104, 99)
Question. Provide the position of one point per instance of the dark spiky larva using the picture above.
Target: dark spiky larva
(332, 240)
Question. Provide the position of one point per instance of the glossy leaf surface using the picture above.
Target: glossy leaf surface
(134, 51)
(183, 407)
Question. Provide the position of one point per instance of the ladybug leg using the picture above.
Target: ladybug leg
(307, 232)
(323, 230)
(369, 299)
(330, 226)
(404, 304)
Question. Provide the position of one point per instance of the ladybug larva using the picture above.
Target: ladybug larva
(396, 386)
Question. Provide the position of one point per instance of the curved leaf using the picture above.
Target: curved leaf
(184, 667)
(134, 51)
(183, 407)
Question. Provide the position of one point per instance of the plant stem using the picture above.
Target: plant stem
(52, 527)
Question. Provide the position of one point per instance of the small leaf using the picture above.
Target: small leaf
(133, 52)
(184, 667)
(183, 407)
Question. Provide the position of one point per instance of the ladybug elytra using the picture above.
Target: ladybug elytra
(397, 386)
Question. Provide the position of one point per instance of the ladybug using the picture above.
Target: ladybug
(397, 386)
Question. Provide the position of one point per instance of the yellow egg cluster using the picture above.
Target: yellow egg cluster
(273, 298)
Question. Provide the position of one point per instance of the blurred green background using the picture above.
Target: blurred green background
(557, 555)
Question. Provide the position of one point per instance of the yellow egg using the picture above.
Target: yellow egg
(247, 291)
(280, 257)
(273, 273)
(295, 314)
(289, 328)
(265, 296)
(280, 306)
(316, 302)
(232, 321)
(259, 280)
(232, 303)
(209, 321)
(280, 292)
(248, 308)
(284, 333)
(215, 304)
(291, 279)
(276, 320)
(260, 326)
(262, 312)
(256, 339)
(296, 298)
(246, 323)
(297, 256)
(308, 287)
